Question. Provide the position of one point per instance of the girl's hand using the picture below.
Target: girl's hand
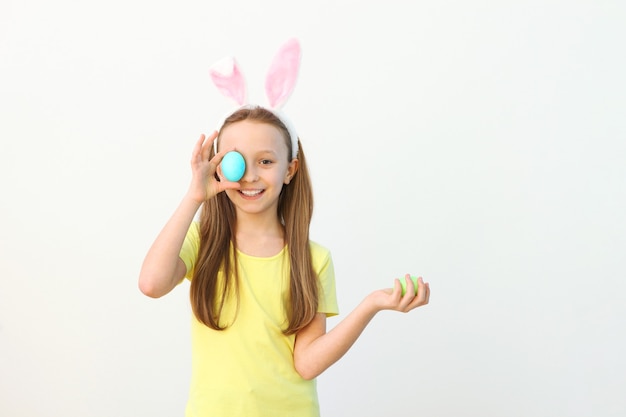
(392, 298)
(204, 185)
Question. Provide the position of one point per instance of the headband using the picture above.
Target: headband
(279, 84)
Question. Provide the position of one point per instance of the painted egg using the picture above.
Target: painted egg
(403, 283)
(233, 166)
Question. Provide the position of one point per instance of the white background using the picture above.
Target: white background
(480, 144)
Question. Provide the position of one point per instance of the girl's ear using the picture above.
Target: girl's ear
(291, 170)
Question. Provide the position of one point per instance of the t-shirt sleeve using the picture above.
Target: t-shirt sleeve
(189, 251)
(323, 264)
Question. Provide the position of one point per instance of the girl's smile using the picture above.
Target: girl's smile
(251, 194)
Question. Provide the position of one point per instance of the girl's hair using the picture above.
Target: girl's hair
(218, 231)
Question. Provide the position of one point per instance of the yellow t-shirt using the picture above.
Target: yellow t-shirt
(247, 369)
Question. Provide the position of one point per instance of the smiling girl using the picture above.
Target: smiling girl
(260, 289)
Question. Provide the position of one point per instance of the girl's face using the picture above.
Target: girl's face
(267, 165)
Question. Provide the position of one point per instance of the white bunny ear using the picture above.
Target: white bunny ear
(282, 74)
(228, 79)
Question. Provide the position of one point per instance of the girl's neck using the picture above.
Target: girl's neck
(260, 236)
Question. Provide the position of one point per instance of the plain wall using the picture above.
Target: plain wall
(480, 144)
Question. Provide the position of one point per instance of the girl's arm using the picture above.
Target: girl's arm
(162, 267)
(315, 350)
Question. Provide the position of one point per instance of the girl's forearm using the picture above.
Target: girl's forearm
(318, 350)
(159, 272)
(327, 349)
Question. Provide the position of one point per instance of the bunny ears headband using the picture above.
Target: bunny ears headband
(279, 83)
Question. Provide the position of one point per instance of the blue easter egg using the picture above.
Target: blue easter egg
(233, 166)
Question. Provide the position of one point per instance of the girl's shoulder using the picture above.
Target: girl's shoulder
(318, 252)
(317, 247)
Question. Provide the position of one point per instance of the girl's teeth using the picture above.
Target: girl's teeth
(250, 193)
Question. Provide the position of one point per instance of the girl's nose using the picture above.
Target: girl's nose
(250, 174)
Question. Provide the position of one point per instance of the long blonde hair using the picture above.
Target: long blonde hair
(218, 230)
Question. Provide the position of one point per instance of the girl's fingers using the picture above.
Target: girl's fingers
(423, 294)
(216, 160)
(207, 145)
(202, 152)
(425, 289)
(397, 289)
(226, 185)
(410, 288)
(406, 300)
(394, 300)
(197, 149)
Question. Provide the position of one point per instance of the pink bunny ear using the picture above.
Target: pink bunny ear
(282, 74)
(228, 79)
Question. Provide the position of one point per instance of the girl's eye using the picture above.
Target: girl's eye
(265, 161)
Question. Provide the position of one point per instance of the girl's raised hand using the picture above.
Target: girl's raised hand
(392, 298)
(204, 185)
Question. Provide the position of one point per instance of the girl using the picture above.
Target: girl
(260, 290)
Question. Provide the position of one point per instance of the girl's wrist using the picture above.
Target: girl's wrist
(191, 199)
(370, 306)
